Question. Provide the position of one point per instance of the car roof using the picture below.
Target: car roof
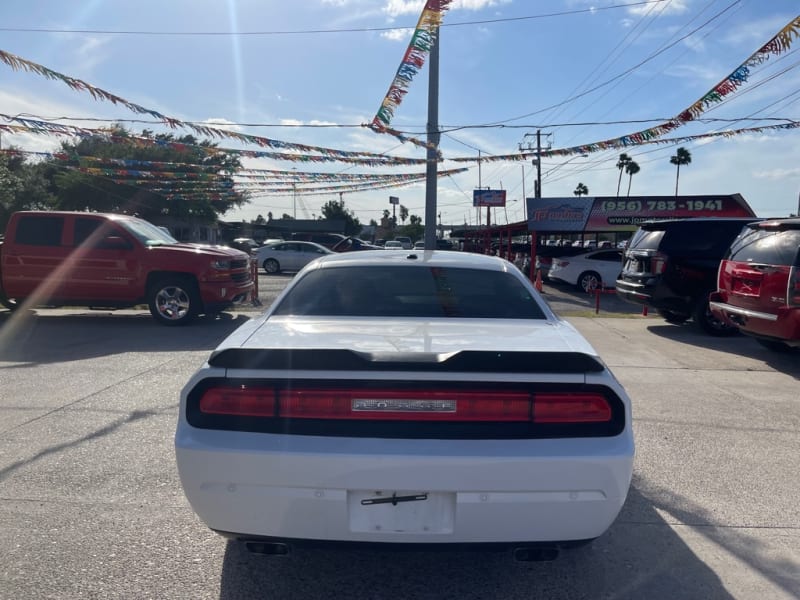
(668, 223)
(784, 223)
(420, 258)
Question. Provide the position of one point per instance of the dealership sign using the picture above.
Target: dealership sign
(625, 214)
(488, 198)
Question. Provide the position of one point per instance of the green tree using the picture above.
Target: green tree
(23, 185)
(623, 161)
(334, 209)
(682, 157)
(632, 168)
(190, 182)
(581, 190)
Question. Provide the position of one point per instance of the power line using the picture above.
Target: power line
(564, 13)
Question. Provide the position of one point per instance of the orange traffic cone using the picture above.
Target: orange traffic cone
(538, 283)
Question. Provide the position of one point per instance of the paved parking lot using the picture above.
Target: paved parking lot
(91, 504)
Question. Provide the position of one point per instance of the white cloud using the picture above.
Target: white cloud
(222, 123)
(397, 35)
(395, 8)
(674, 7)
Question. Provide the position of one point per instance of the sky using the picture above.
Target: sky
(315, 71)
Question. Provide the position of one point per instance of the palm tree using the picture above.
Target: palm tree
(581, 190)
(632, 168)
(623, 161)
(682, 157)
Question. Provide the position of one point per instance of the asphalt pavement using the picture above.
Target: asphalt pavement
(91, 504)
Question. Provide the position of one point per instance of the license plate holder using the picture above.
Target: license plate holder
(433, 514)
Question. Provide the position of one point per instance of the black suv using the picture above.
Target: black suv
(672, 266)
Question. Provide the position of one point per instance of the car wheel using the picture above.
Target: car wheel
(589, 281)
(9, 303)
(271, 266)
(174, 300)
(670, 316)
(776, 346)
(708, 322)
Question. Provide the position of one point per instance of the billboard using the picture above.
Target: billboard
(608, 214)
(488, 198)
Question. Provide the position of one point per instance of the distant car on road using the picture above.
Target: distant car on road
(393, 245)
(588, 271)
(398, 398)
(277, 257)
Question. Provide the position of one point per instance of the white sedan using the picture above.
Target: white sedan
(589, 271)
(276, 257)
(398, 398)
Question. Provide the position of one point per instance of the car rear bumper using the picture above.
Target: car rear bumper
(453, 491)
(784, 324)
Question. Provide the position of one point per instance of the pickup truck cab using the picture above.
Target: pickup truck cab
(116, 261)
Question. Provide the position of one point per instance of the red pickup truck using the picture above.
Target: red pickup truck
(116, 261)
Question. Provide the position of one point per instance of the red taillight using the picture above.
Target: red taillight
(407, 405)
(241, 401)
(793, 295)
(571, 408)
(658, 264)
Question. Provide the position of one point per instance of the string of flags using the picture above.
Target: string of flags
(422, 40)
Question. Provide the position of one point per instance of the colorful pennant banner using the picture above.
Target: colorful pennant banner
(17, 63)
(422, 41)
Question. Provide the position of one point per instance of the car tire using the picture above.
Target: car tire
(589, 281)
(9, 303)
(776, 346)
(706, 320)
(271, 266)
(670, 316)
(174, 300)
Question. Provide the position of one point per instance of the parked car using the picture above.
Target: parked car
(353, 244)
(393, 245)
(758, 284)
(419, 245)
(589, 271)
(329, 240)
(288, 256)
(672, 267)
(406, 241)
(395, 398)
(546, 254)
(244, 244)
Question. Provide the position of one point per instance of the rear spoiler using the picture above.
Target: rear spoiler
(463, 361)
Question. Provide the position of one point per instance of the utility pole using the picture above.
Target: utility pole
(431, 172)
(538, 188)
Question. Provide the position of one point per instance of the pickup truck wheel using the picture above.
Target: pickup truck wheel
(708, 322)
(9, 303)
(271, 266)
(174, 300)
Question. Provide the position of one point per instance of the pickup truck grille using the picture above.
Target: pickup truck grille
(240, 264)
(241, 277)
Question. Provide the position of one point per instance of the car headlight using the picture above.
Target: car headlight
(221, 265)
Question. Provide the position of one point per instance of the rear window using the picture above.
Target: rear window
(646, 240)
(397, 291)
(769, 247)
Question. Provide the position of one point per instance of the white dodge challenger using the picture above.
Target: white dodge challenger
(417, 397)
